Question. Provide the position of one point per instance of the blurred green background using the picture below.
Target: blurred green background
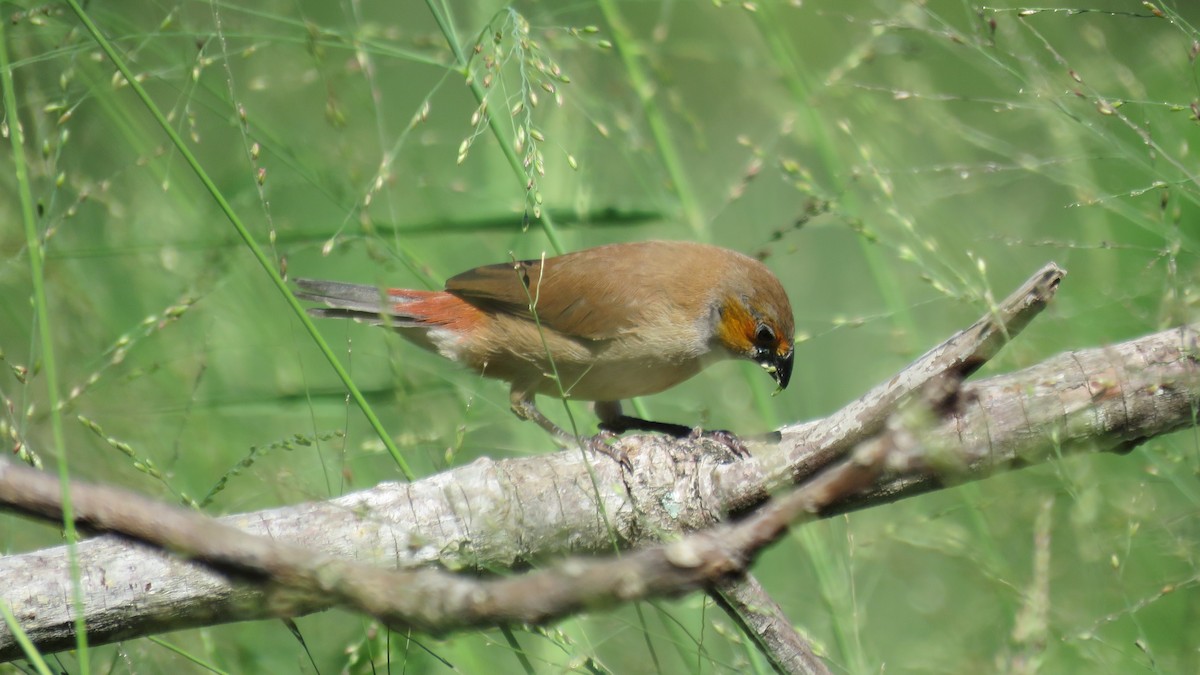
(899, 165)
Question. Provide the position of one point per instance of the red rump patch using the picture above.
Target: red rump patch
(436, 308)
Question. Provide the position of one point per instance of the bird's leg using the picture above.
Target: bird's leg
(524, 407)
(613, 420)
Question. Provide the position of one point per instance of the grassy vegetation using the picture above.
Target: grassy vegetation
(897, 164)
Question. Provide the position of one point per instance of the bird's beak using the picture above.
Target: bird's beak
(780, 367)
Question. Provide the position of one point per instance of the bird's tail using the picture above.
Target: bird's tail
(394, 307)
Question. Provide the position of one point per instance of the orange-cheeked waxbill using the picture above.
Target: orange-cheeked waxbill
(613, 322)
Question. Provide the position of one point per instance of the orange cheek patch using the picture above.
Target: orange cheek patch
(437, 308)
(735, 327)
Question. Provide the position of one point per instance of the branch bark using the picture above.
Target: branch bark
(510, 513)
(761, 617)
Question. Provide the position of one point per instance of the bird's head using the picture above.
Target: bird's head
(755, 322)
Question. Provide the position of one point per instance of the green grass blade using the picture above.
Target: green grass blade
(248, 238)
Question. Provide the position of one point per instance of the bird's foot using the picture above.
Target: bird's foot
(728, 439)
(600, 444)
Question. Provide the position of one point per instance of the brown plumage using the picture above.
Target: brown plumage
(614, 322)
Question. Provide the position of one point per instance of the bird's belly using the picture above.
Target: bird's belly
(614, 381)
(514, 350)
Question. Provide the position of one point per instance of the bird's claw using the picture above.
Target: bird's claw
(599, 444)
(728, 439)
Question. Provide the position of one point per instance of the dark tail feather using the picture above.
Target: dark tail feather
(357, 297)
(352, 301)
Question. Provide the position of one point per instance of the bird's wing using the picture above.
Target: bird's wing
(589, 297)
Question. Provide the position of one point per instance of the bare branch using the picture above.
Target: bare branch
(430, 600)
(790, 652)
(811, 446)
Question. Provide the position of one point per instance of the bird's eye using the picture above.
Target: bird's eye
(764, 335)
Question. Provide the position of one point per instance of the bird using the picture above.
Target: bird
(601, 324)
